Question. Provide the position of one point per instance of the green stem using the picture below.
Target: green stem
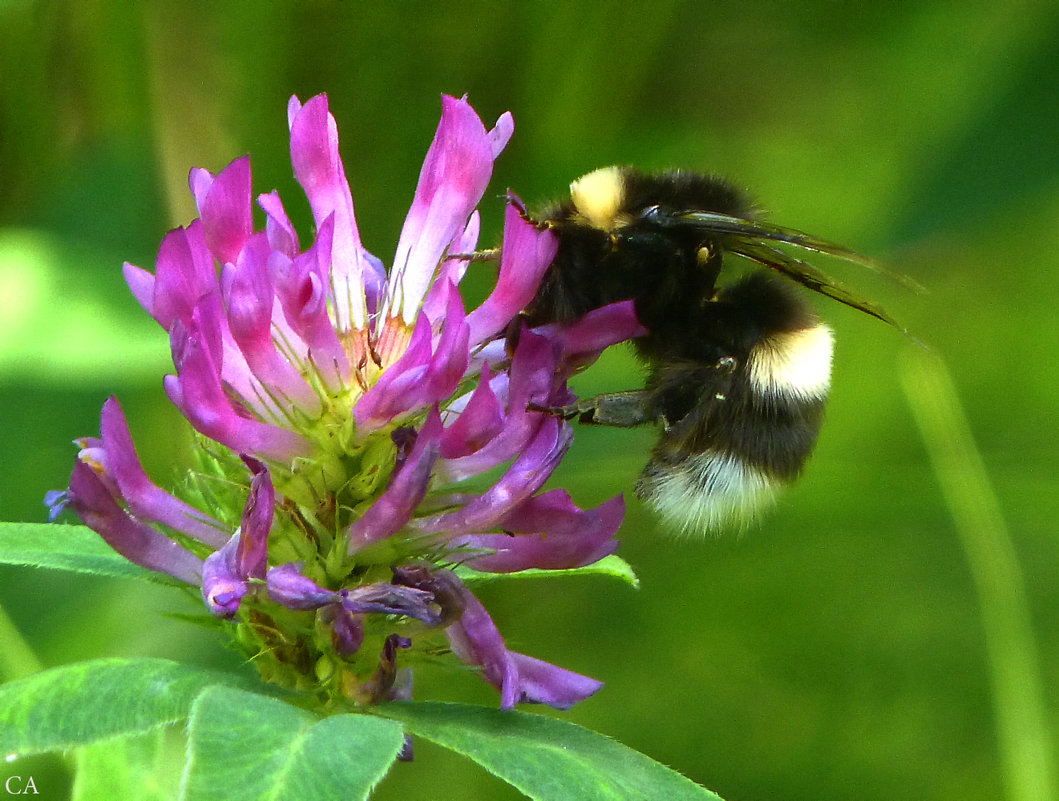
(1022, 731)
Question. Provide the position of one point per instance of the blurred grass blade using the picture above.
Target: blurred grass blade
(1014, 668)
(17, 658)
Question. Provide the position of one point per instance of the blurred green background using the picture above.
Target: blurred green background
(835, 650)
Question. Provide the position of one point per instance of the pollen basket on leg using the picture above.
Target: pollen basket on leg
(793, 364)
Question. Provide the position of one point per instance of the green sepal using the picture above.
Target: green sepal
(613, 566)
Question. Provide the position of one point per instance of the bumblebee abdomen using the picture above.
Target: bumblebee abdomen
(703, 491)
(743, 427)
(733, 466)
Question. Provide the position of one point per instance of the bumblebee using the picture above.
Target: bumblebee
(737, 374)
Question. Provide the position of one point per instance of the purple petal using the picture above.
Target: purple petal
(223, 588)
(318, 168)
(552, 534)
(583, 340)
(532, 375)
(543, 683)
(400, 388)
(145, 500)
(391, 599)
(407, 488)
(380, 685)
(56, 501)
(287, 586)
(347, 630)
(250, 300)
(477, 424)
(525, 476)
(252, 554)
(455, 174)
(303, 292)
(225, 208)
(476, 640)
(526, 255)
(452, 270)
(198, 393)
(280, 230)
(136, 541)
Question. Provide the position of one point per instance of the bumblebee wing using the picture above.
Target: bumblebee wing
(805, 274)
(716, 222)
(751, 239)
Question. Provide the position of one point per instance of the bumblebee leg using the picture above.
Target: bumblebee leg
(492, 254)
(620, 409)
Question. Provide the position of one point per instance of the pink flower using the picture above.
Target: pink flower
(341, 408)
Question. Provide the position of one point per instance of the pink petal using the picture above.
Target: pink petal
(225, 209)
(477, 424)
(250, 298)
(280, 230)
(408, 487)
(318, 168)
(136, 541)
(526, 255)
(198, 393)
(145, 500)
(452, 270)
(303, 292)
(550, 533)
(397, 389)
(455, 174)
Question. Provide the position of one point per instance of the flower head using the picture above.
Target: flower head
(344, 411)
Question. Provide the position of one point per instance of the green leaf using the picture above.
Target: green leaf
(613, 566)
(62, 547)
(87, 702)
(545, 758)
(145, 768)
(103, 771)
(248, 746)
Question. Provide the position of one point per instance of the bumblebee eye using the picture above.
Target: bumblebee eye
(652, 214)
